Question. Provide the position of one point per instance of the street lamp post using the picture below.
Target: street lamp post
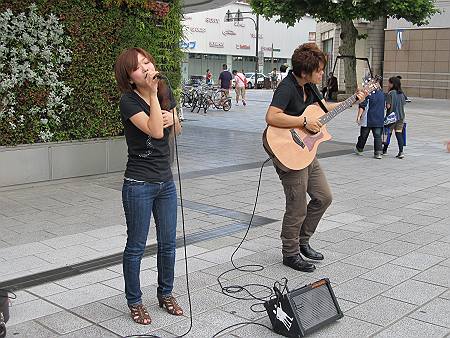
(237, 16)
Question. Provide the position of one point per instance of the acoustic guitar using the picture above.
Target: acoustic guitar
(295, 148)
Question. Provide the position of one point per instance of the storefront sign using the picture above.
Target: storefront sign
(188, 44)
(187, 18)
(197, 29)
(242, 46)
(253, 35)
(212, 20)
(215, 44)
(228, 32)
(239, 24)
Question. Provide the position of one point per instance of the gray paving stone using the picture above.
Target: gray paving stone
(435, 312)
(23, 250)
(69, 240)
(370, 310)
(359, 290)
(419, 237)
(377, 236)
(390, 274)
(414, 292)
(437, 248)
(350, 246)
(82, 296)
(125, 326)
(223, 255)
(411, 328)
(194, 264)
(87, 279)
(63, 322)
(197, 280)
(396, 247)
(421, 219)
(22, 297)
(383, 219)
(30, 329)
(347, 327)
(417, 260)
(369, 259)
(31, 310)
(445, 295)
(401, 227)
(199, 329)
(335, 235)
(438, 275)
(345, 218)
(91, 331)
(96, 312)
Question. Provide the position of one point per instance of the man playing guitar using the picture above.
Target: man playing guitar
(293, 95)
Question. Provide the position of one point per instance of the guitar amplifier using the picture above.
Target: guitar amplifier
(301, 311)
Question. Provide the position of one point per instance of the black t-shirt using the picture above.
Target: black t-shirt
(225, 79)
(289, 96)
(148, 158)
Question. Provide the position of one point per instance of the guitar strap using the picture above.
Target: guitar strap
(317, 96)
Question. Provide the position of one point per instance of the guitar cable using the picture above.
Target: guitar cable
(232, 290)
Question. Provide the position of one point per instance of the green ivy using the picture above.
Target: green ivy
(99, 31)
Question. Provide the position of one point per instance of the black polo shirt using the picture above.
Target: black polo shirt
(289, 96)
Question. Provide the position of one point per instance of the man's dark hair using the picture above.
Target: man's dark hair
(307, 58)
(283, 68)
(234, 71)
(224, 66)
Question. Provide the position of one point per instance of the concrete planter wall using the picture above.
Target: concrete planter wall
(51, 161)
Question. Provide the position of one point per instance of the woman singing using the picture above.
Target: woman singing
(148, 185)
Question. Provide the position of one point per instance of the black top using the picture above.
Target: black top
(148, 158)
(225, 79)
(289, 96)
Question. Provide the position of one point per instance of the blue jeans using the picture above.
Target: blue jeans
(140, 199)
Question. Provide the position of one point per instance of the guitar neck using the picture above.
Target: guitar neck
(339, 109)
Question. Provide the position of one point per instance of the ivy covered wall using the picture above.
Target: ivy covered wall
(93, 35)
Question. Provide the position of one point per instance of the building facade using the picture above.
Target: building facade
(420, 55)
(210, 42)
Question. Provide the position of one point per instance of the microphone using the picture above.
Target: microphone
(159, 76)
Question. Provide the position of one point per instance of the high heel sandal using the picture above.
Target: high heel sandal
(170, 304)
(139, 314)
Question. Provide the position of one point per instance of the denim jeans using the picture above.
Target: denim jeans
(364, 134)
(140, 200)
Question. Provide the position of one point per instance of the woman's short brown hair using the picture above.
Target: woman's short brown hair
(126, 63)
(307, 58)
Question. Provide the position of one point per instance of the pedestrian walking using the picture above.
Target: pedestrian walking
(395, 113)
(370, 117)
(240, 84)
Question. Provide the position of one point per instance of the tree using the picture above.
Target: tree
(343, 12)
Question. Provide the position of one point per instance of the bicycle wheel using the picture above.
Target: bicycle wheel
(227, 105)
(186, 101)
(206, 105)
(217, 99)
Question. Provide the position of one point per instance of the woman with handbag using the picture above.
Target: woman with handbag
(395, 113)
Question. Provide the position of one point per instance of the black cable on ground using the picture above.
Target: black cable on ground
(233, 290)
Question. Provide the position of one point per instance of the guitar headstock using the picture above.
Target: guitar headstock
(372, 84)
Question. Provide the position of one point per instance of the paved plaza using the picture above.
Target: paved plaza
(385, 237)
